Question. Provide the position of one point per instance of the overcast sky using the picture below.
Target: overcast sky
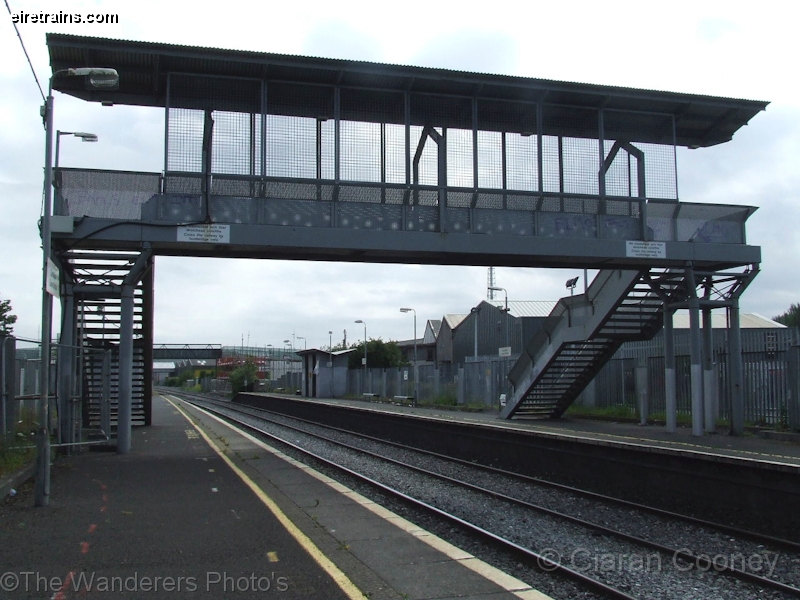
(732, 49)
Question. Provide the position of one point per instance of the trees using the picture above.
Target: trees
(243, 377)
(7, 319)
(791, 318)
(380, 355)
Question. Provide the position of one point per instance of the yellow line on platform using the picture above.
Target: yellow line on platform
(347, 586)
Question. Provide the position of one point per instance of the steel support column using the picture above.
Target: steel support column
(709, 401)
(136, 273)
(669, 373)
(125, 371)
(735, 369)
(696, 354)
(66, 369)
(105, 399)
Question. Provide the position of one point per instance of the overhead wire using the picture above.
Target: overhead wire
(25, 51)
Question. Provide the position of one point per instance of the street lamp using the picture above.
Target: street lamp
(365, 352)
(285, 360)
(505, 321)
(571, 283)
(499, 289)
(86, 137)
(101, 79)
(406, 310)
(330, 362)
(305, 346)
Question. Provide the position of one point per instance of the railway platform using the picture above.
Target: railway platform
(197, 509)
(768, 448)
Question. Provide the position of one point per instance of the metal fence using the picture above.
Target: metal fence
(771, 376)
(479, 382)
(20, 394)
(19, 389)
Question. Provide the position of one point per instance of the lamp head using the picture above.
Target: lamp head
(97, 78)
(571, 283)
(405, 310)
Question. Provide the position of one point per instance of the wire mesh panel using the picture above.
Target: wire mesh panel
(507, 145)
(622, 175)
(571, 157)
(236, 106)
(661, 177)
(459, 158)
(581, 162)
(522, 162)
(490, 159)
(659, 158)
(104, 194)
(185, 140)
(372, 133)
(299, 145)
(427, 164)
(236, 143)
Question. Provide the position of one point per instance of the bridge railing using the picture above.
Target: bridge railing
(186, 198)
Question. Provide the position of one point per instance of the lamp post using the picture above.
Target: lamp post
(270, 360)
(305, 346)
(505, 321)
(365, 353)
(571, 283)
(406, 310)
(285, 361)
(97, 78)
(86, 137)
(330, 362)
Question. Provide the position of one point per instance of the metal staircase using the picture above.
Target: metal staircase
(583, 332)
(97, 275)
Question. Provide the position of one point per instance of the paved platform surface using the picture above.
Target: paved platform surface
(198, 510)
(750, 446)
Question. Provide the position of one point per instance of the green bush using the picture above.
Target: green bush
(243, 378)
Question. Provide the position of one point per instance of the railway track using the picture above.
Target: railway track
(615, 548)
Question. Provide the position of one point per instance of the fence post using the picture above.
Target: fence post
(7, 359)
(642, 393)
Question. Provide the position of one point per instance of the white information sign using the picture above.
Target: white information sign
(205, 234)
(53, 285)
(635, 249)
(505, 351)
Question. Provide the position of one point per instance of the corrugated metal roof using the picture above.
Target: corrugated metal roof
(719, 320)
(526, 308)
(432, 331)
(453, 320)
(143, 67)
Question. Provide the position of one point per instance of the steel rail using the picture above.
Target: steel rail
(534, 559)
(680, 553)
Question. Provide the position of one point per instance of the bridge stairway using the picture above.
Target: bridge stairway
(582, 333)
(98, 325)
